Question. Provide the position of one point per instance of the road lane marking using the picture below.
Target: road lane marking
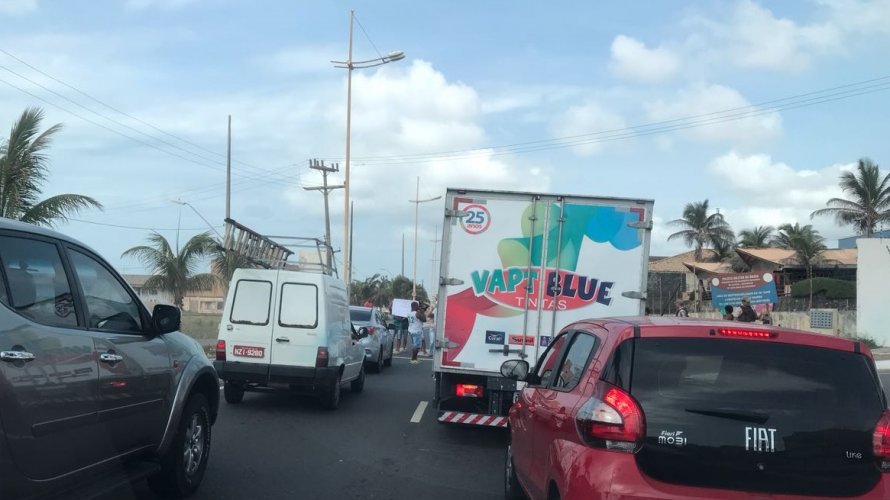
(418, 413)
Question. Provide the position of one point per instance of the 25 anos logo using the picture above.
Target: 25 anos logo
(478, 219)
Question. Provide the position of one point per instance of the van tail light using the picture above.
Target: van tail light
(468, 390)
(321, 357)
(612, 419)
(881, 441)
(220, 350)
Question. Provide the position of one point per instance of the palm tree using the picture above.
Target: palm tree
(23, 169)
(175, 271)
(225, 263)
(756, 237)
(807, 244)
(869, 202)
(701, 229)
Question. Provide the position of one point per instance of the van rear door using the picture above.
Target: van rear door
(247, 324)
(298, 322)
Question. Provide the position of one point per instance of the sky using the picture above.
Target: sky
(756, 106)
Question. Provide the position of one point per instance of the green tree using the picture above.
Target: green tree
(175, 271)
(23, 170)
(756, 237)
(807, 245)
(225, 263)
(701, 229)
(868, 202)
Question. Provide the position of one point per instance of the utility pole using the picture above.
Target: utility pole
(229, 172)
(351, 228)
(325, 190)
(417, 201)
(403, 255)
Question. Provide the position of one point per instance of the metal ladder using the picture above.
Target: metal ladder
(260, 250)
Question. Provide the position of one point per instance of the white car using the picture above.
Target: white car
(374, 336)
(287, 330)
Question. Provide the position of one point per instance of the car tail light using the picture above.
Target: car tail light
(612, 419)
(221, 350)
(321, 357)
(468, 390)
(748, 334)
(881, 441)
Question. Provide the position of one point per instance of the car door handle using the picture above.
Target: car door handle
(109, 357)
(282, 339)
(17, 356)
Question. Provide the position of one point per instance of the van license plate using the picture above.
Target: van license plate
(248, 351)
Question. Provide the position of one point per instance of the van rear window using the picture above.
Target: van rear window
(250, 304)
(299, 305)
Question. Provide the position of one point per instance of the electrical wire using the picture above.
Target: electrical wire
(366, 36)
(119, 226)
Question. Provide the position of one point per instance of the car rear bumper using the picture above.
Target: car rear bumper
(615, 476)
(276, 376)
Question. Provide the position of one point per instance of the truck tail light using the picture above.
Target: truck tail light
(220, 350)
(321, 357)
(881, 441)
(612, 419)
(468, 390)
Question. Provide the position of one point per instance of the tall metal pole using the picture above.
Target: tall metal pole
(229, 172)
(403, 255)
(351, 227)
(416, 212)
(325, 189)
(346, 185)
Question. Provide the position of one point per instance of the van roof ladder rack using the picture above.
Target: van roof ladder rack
(260, 250)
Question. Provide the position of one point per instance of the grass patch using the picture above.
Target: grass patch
(831, 288)
(200, 326)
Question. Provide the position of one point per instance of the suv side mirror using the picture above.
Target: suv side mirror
(166, 319)
(516, 369)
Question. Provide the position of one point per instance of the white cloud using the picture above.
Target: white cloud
(300, 60)
(160, 4)
(704, 101)
(17, 7)
(632, 60)
(585, 119)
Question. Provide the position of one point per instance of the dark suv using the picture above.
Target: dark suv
(668, 408)
(94, 391)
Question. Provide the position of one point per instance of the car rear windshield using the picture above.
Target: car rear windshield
(756, 415)
(360, 315)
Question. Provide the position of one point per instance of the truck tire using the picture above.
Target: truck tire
(330, 398)
(358, 384)
(184, 463)
(233, 393)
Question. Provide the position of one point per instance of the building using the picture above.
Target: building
(209, 301)
(850, 242)
(149, 296)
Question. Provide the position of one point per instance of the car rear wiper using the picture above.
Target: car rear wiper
(744, 416)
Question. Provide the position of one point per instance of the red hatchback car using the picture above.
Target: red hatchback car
(669, 408)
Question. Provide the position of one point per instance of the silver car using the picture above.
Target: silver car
(376, 339)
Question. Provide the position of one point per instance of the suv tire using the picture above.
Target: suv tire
(358, 384)
(184, 463)
(330, 398)
(233, 393)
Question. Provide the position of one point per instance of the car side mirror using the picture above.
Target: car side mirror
(362, 332)
(516, 369)
(166, 319)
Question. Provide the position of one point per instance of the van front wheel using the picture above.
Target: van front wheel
(330, 399)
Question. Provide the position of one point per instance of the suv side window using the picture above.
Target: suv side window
(580, 350)
(548, 361)
(39, 288)
(109, 305)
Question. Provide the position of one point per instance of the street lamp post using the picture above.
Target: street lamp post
(349, 65)
(417, 201)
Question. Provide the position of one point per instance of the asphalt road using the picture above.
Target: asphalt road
(278, 446)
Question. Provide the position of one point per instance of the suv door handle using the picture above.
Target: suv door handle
(282, 339)
(17, 356)
(110, 357)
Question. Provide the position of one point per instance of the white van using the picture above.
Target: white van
(287, 330)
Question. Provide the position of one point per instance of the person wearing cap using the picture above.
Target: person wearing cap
(747, 314)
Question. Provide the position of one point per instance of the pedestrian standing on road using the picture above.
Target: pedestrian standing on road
(682, 312)
(765, 317)
(415, 330)
(429, 331)
(403, 328)
(747, 314)
(728, 310)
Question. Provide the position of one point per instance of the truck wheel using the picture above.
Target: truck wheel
(233, 393)
(330, 398)
(184, 463)
(512, 490)
(358, 384)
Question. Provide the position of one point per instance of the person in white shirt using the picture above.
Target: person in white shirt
(415, 330)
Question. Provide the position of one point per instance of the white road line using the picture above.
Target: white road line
(418, 413)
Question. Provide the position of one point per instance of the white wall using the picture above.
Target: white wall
(872, 281)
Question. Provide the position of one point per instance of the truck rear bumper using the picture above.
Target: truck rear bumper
(276, 376)
(456, 417)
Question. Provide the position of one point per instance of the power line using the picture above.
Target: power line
(366, 36)
(137, 227)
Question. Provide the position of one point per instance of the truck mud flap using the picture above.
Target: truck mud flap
(456, 417)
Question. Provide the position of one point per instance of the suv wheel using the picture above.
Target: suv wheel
(330, 399)
(358, 384)
(512, 490)
(233, 393)
(184, 463)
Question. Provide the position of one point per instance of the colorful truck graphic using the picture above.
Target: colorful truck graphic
(516, 268)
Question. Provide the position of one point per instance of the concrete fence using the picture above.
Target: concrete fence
(846, 322)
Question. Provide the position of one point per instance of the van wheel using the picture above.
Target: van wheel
(233, 393)
(512, 490)
(358, 384)
(183, 466)
(330, 399)
(388, 361)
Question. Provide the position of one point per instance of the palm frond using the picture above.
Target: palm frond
(58, 208)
